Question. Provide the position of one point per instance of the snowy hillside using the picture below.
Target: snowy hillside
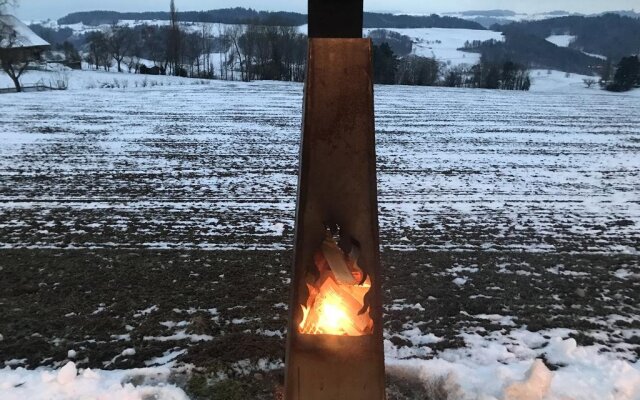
(507, 15)
(443, 44)
(566, 40)
(561, 40)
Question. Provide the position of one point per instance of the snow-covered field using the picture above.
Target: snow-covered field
(552, 81)
(90, 79)
(509, 169)
(510, 226)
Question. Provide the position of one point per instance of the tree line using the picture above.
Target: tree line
(240, 16)
(610, 35)
(256, 51)
(262, 52)
(424, 71)
(527, 49)
(244, 52)
(233, 16)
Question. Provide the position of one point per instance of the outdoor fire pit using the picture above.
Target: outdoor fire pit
(334, 345)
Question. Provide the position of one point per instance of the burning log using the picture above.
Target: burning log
(336, 303)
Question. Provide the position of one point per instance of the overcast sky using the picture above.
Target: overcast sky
(43, 9)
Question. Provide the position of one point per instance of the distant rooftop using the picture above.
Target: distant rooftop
(25, 37)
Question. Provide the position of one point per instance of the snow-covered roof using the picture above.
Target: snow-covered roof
(25, 37)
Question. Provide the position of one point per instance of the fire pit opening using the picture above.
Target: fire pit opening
(337, 290)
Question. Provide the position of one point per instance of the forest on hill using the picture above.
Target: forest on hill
(530, 50)
(610, 35)
(241, 15)
(237, 15)
(597, 41)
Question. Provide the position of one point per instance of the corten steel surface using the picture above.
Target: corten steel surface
(337, 185)
(335, 18)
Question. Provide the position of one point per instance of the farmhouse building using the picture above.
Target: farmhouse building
(19, 46)
(17, 36)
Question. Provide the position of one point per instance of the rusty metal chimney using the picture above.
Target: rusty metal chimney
(334, 342)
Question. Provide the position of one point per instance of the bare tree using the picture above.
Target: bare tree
(99, 54)
(233, 34)
(588, 82)
(120, 42)
(206, 50)
(173, 45)
(191, 50)
(15, 60)
(224, 47)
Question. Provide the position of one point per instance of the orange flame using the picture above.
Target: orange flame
(336, 307)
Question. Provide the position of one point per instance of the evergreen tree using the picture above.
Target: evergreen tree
(492, 79)
(627, 75)
(385, 65)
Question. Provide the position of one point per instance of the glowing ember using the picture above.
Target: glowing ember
(336, 303)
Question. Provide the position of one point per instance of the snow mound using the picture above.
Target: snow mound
(67, 374)
(534, 387)
(510, 367)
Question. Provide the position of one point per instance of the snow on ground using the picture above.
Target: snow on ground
(508, 367)
(551, 81)
(551, 178)
(443, 44)
(69, 383)
(90, 79)
(561, 40)
(492, 366)
(460, 171)
(559, 82)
